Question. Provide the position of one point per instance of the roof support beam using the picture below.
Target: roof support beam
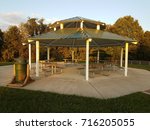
(121, 57)
(54, 29)
(30, 56)
(72, 55)
(61, 26)
(48, 53)
(98, 27)
(98, 56)
(126, 59)
(81, 25)
(87, 59)
(37, 57)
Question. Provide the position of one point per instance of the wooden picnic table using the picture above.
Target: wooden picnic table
(51, 65)
(75, 60)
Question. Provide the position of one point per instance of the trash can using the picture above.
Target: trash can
(20, 70)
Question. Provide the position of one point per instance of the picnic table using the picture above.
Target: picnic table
(70, 60)
(48, 65)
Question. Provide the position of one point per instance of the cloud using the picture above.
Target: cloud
(14, 18)
(3, 26)
(48, 20)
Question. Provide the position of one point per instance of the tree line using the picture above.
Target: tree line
(11, 41)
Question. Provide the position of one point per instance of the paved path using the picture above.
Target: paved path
(73, 83)
(6, 74)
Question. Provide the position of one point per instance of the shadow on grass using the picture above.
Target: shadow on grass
(22, 101)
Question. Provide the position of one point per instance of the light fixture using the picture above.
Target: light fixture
(30, 40)
(90, 40)
(135, 42)
(24, 44)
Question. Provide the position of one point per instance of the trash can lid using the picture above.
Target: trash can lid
(21, 61)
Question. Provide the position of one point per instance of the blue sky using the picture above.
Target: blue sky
(12, 12)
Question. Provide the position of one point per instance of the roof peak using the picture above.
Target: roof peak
(79, 18)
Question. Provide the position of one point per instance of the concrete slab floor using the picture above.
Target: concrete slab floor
(73, 83)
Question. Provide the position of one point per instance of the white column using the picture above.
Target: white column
(121, 57)
(72, 55)
(37, 57)
(98, 56)
(126, 59)
(14, 70)
(98, 27)
(61, 26)
(81, 25)
(87, 59)
(48, 53)
(30, 56)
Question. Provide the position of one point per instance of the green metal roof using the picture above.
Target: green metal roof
(75, 22)
(77, 37)
(80, 19)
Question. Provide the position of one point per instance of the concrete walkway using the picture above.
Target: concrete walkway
(73, 83)
(6, 74)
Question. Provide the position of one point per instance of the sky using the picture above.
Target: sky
(13, 12)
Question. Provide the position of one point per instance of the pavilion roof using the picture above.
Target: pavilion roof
(76, 37)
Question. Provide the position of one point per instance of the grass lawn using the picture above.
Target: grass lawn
(138, 66)
(18, 100)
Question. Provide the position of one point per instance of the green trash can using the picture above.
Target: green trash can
(20, 70)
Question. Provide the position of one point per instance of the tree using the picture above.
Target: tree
(1, 42)
(28, 29)
(1, 37)
(147, 39)
(128, 26)
(144, 48)
(15, 36)
(12, 46)
(32, 27)
(42, 28)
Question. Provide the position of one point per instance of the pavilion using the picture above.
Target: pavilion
(79, 32)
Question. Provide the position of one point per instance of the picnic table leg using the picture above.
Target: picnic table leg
(52, 70)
